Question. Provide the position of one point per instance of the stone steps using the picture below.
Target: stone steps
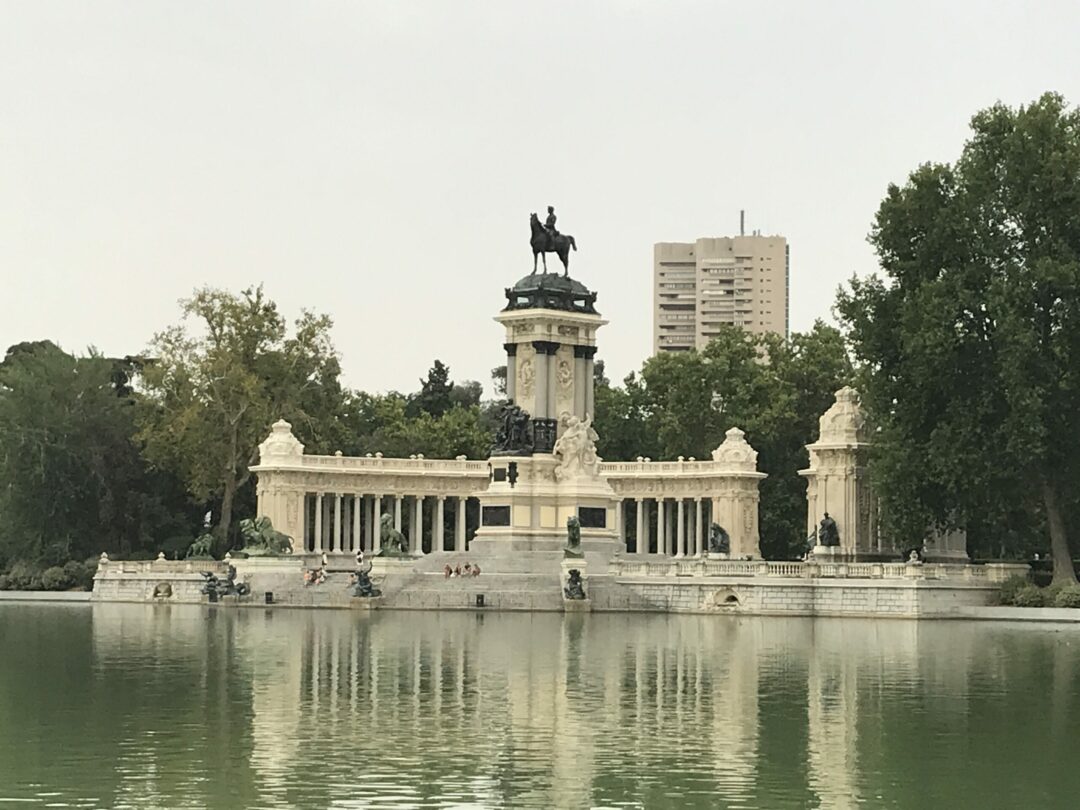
(499, 563)
(434, 591)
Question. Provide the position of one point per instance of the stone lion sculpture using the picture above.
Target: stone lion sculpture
(202, 546)
(261, 538)
(391, 541)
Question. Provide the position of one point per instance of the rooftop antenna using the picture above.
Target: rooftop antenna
(742, 222)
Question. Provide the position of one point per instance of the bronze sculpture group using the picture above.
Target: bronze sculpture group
(575, 586)
(828, 533)
(515, 436)
(362, 585)
(214, 587)
(546, 239)
(719, 540)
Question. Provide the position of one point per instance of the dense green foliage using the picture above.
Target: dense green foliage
(1068, 596)
(970, 344)
(213, 391)
(1030, 596)
(72, 480)
(1012, 586)
(775, 390)
(126, 456)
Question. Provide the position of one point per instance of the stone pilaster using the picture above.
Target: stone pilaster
(511, 370)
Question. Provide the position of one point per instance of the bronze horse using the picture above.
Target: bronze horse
(542, 245)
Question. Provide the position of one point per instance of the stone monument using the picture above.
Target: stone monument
(551, 323)
(281, 504)
(841, 512)
(736, 507)
(544, 465)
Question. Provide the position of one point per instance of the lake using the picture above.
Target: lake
(143, 706)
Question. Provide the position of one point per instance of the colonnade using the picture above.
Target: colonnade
(672, 527)
(348, 522)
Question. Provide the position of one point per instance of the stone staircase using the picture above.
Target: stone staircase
(500, 591)
(506, 582)
(504, 563)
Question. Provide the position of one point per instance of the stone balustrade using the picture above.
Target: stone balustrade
(414, 465)
(989, 573)
(160, 566)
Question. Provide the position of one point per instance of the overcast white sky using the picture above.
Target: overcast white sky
(378, 161)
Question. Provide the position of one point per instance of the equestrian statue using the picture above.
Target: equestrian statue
(546, 239)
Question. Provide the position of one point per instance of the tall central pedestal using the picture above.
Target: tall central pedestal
(551, 325)
(550, 344)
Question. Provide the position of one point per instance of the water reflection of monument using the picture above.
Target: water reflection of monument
(552, 711)
(553, 707)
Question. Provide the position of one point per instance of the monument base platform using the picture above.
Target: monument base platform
(366, 602)
(577, 605)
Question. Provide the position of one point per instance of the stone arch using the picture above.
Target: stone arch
(726, 598)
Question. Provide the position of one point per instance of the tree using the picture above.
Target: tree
(212, 396)
(971, 342)
(498, 380)
(682, 404)
(466, 394)
(72, 482)
(434, 397)
(810, 367)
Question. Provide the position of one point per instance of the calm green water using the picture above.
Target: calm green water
(169, 707)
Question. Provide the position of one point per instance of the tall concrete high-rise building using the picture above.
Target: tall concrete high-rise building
(698, 286)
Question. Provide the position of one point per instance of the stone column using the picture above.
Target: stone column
(619, 522)
(579, 381)
(590, 393)
(397, 511)
(318, 543)
(357, 540)
(661, 527)
(680, 547)
(642, 538)
(699, 534)
(417, 544)
(339, 531)
(542, 363)
(459, 535)
(552, 382)
(439, 538)
(511, 370)
(376, 522)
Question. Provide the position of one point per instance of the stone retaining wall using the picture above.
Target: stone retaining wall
(793, 597)
(155, 581)
(45, 596)
(1017, 614)
(743, 588)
